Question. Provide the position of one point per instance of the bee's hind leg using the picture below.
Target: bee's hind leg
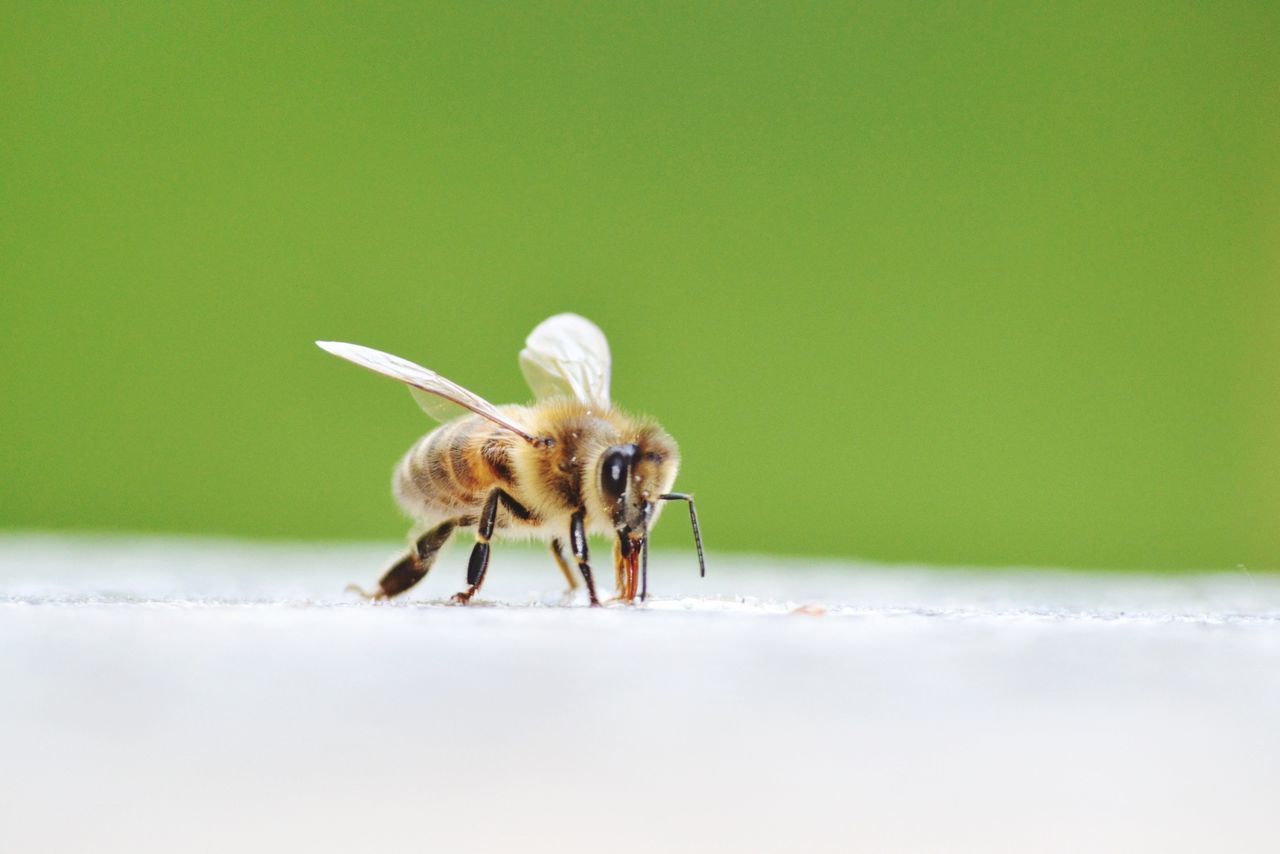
(413, 567)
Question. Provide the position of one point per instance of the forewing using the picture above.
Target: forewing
(423, 383)
(567, 356)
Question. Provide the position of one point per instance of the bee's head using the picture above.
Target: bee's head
(635, 480)
(632, 476)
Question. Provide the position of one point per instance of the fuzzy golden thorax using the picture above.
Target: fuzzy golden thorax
(567, 472)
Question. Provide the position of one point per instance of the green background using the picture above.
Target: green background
(987, 283)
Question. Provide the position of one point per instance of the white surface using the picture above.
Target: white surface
(171, 695)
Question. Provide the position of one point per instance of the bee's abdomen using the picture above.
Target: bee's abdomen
(453, 468)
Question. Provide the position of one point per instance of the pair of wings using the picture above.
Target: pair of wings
(564, 356)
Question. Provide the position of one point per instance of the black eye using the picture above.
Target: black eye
(614, 470)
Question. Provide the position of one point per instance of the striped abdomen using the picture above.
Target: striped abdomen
(451, 470)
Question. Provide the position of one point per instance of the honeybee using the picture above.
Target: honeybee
(568, 465)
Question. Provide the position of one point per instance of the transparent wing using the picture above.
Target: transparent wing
(424, 384)
(437, 407)
(567, 356)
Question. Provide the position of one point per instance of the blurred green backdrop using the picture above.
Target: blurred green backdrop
(983, 283)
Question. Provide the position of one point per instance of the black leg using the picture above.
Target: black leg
(515, 508)
(578, 542)
(413, 567)
(479, 562)
(644, 569)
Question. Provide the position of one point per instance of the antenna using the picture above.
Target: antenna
(693, 518)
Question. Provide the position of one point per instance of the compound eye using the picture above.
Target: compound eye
(614, 471)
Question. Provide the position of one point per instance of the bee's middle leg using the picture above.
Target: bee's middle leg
(478, 565)
(557, 552)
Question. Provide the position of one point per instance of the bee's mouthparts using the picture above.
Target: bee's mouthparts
(634, 548)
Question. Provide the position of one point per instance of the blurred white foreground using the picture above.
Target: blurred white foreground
(175, 695)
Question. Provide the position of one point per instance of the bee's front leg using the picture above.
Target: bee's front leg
(578, 542)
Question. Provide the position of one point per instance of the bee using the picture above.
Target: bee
(566, 466)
